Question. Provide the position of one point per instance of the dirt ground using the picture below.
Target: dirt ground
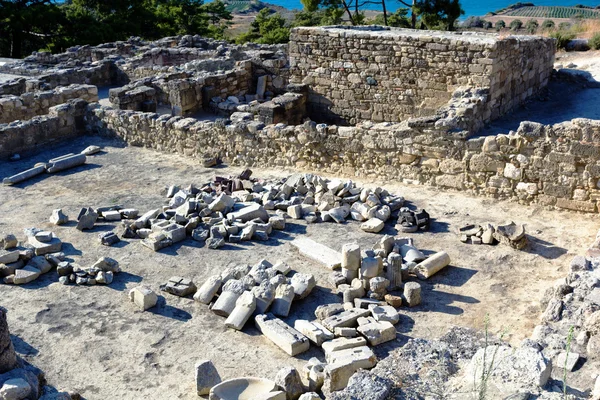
(93, 341)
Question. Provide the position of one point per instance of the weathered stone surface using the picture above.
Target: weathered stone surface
(330, 258)
(207, 376)
(284, 336)
(8, 357)
(143, 297)
(289, 380)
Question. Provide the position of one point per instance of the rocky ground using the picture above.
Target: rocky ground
(92, 340)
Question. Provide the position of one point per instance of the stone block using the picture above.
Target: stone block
(143, 297)
(179, 286)
(318, 252)
(284, 336)
(378, 332)
(316, 332)
(346, 318)
(207, 376)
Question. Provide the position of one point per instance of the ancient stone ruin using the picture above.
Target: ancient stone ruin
(358, 103)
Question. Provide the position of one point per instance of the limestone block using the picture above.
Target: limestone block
(143, 297)
(284, 336)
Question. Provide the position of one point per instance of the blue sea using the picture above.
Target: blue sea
(471, 7)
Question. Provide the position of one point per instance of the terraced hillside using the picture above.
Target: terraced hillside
(553, 12)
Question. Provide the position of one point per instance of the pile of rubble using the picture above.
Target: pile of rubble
(21, 265)
(241, 209)
(42, 253)
(54, 165)
(510, 234)
(344, 331)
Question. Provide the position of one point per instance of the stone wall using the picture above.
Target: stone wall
(30, 104)
(62, 122)
(13, 87)
(556, 165)
(101, 73)
(389, 74)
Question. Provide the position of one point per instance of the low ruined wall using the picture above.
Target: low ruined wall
(102, 73)
(28, 105)
(556, 165)
(13, 87)
(62, 122)
(377, 74)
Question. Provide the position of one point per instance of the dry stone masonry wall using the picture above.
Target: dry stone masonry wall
(555, 165)
(28, 105)
(386, 74)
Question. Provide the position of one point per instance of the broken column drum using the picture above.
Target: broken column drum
(432, 265)
(244, 307)
(350, 261)
(208, 290)
(284, 295)
(394, 271)
(226, 302)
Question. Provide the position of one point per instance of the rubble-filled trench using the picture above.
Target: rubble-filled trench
(92, 340)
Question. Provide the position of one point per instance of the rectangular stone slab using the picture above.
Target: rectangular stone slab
(287, 338)
(346, 318)
(41, 248)
(316, 251)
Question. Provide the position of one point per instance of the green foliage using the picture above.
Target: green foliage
(328, 16)
(439, 14)
(594, 42)
(516, 25)
(569, 341)
(562, 38)
(398, 19)
(27, 25)
(266, 29)
(548, 24)
(487, 25)
(532, 26)
(500, 24)
(563, 26)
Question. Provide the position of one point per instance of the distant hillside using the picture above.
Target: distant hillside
(250, 6)
(529, 10)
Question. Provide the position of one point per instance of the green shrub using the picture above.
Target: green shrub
(562, 38)
(548, 24)
(594, 42)
(563, 26)
(516, 25)
(532, 26)
(500, 25)
(487, 25)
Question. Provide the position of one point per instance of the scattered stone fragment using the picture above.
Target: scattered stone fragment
(378, 332)
(289, 380)
(143, 297)
(107, 264)
(412, 294)
(432, 265)
(90, 150)
(8, 357)
(511, 234)
(8, 256)
(108, 238)
(208, 290)
(8, 241)
(87, 218)
(373, 225)
(318, 252)
(385, 313)
(344, 363)
(179, 286)
(392, 300)
(284, 296)
(284, 336)
(567, 360)
(23, 176)
(58, 217)
(25, 275)
(207, 376)
(63, 163)
(346, 318)
(303, 284)
(15, 389)
(244, 308)
(327, 310)
(232, 290)
(112, 215)
(316, 332)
